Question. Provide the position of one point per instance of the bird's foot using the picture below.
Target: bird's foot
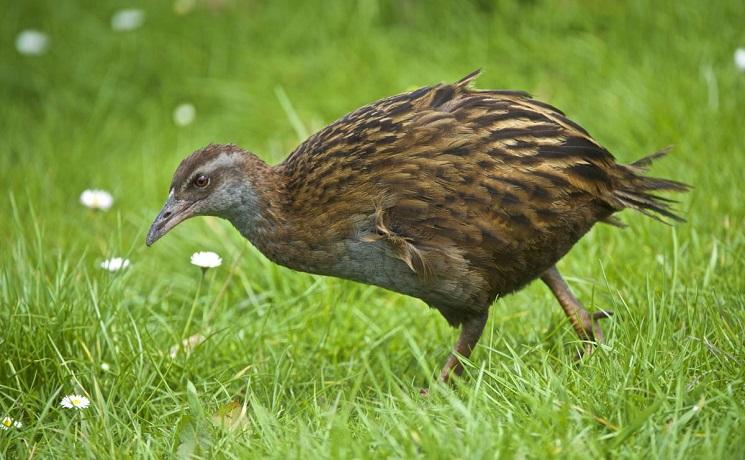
(453, 368)
(593, 334)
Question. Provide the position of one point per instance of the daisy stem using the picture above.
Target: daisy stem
(193, 306)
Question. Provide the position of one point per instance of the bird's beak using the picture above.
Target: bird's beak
(173, 213)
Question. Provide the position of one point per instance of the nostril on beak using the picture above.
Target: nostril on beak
(167, 214)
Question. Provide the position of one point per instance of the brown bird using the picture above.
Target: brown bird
(449, 194)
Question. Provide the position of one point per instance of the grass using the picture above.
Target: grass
(308, 366)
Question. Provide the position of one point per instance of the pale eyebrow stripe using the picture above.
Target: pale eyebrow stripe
(214, 164)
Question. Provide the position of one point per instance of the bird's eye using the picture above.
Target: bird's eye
(202, 181)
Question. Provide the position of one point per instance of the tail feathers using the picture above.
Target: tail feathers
(634, 190)
(643, 164)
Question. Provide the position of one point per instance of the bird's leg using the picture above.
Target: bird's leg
(585, 323)
(469, 335)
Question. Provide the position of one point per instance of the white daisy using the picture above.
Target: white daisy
(32, 42)
(7, 423)
(75, 402)
(206, 259)
(106, 367)
(128, 19)
(96, 199)
(188, 345)
(115, 264)
(740, 59)
(184, 114)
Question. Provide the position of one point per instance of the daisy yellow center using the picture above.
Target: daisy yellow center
(7, 422)
(75, 401)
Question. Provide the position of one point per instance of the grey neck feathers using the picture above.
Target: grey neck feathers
(257, 215)
(246, 213)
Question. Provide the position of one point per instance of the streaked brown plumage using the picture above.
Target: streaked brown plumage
(449, 194)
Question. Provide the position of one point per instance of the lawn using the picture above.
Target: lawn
(300, 366)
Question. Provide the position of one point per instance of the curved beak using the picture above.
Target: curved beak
(173, 213)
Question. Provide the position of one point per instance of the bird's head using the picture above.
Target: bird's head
(213, 181)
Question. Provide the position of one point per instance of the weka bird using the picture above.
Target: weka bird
(449, 194)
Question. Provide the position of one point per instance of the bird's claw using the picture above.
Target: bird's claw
(602, 314)
(594, 332)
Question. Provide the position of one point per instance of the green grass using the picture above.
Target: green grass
(329, 368)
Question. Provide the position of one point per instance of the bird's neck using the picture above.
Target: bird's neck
(264, 217)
